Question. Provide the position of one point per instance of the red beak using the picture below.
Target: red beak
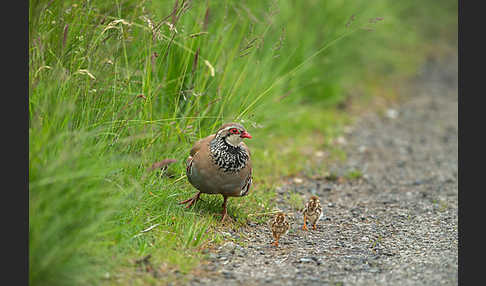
(245, 134)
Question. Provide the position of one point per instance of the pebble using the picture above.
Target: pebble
(320, 154)
(298, 180)
(341, 140)
(392, 113)
(306, 259)
(228, 274)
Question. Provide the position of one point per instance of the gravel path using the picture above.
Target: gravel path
(395, 225)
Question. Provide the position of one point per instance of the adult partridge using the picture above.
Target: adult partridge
(220, 164)
(312, 212)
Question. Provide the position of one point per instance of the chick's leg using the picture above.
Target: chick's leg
(276, 240)
(305, 221)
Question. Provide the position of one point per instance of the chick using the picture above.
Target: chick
(279, 226)
(312, 212)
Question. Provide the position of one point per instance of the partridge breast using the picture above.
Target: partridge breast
(210, 179)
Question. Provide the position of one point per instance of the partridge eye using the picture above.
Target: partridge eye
(234, 131)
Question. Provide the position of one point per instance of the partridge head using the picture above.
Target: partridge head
(312, 212)
(279, 226)
(220, 164)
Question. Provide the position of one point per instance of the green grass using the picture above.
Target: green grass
(113, 88)
(296, 201)
(354, 175)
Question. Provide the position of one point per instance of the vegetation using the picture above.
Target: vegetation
(117, 86)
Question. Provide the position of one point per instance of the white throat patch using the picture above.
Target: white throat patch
(234, 139)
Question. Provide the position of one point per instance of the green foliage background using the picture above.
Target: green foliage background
(115, 86)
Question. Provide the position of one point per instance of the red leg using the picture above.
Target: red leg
(225, 212)
(191, 201)
(305, 221)
(276, 240)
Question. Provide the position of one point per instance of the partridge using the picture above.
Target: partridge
(220, 164)
(312, 212)
(279, 226)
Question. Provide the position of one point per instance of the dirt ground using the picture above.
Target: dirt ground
(396, 224)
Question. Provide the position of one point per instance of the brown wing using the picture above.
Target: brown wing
(247, 186)
(287, 227)
(195, 148)
(273, 227)
(306, 206)
(270, 223)
(200, 143)
(249, 178)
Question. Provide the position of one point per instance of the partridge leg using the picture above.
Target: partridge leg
(189, 202)
(275, 237)
(225, 212)
(314, 226)
(305, 220)
(276, 240)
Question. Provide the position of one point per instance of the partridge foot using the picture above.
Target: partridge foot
(224, 214)
(189, 202)
(305, 228)
(226, 217)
